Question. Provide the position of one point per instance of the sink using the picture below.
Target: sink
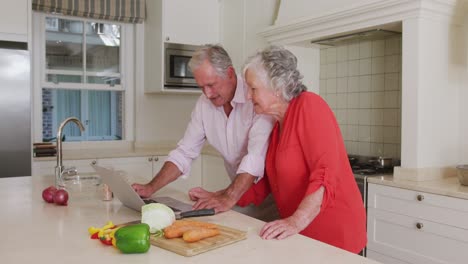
(82, 185)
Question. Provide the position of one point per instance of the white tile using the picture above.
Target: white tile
(331, 86)
(365, 82)
(377, 134)
(331, 70)
(364, 133)
(342, 101)
(378, 65)
(331, 55)
(365, 49)
(353, 68)
(390, 150)
(344, 131)
(323, 86)
(324, 96)
(353, 131)
(365, 66)
(364, 117)
(365, 100)
(364, 148)
(378, 48)
(353, 84)
(390, 135)
(323, 56)
(391, 99)
(353, 100)
(353, 51)
(342, 70)
(352, 147)
(377, 117)
(390, 117)
(377, 82)
(323, 71)
(392, 82)
(377, 100)
(341, 116)
(331, 100)
(392, 46)
(392, 63)
(342, 53)
(342, 85)
(376, 149)
(353, 116)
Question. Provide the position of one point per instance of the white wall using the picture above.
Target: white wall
(296, 9)
(308, 61)
(463, 99)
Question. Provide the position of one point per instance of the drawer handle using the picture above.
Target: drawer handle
(420, 197)
(150, 159)
(419, 225)
(93, 162)
(156, 159)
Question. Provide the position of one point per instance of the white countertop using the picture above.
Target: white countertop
(449, 186)
(37, 232)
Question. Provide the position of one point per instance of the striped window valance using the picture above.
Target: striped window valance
(130, 11)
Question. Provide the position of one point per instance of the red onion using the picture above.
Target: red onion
(61, 197)
(48, 194)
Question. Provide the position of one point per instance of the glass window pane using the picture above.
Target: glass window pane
(62, 78)
(104, 80)
(102, 47)
(64, 44)
(105, 115)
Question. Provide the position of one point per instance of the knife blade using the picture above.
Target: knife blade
(194, 213)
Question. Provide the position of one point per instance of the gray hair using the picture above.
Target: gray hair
(278, 68)
(216, 55)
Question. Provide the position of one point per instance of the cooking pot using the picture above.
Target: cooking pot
(382, 162)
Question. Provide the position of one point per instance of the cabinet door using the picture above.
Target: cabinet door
(14, 20)
(214, 175)
(183, 183)
(191, 22)
(137, 169)
(44, 168)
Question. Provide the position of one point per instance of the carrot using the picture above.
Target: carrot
(176, 231)
(194, 224)
(198, 234)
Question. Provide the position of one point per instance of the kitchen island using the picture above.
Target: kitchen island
(38, 232)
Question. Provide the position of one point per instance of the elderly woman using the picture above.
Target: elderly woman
(307, 166)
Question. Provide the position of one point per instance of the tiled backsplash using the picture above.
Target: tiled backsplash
(361, 82)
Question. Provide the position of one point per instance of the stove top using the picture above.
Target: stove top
(369, 169)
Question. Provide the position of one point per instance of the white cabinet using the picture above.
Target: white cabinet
(214, 176)
(406, 226)
(185, 182)
(176, 21)
(43, 168)
(14, 20)
(191, 22)
(136, 169)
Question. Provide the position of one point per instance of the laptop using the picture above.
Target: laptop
(129, 197)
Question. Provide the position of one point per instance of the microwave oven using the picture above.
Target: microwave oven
(177, 72)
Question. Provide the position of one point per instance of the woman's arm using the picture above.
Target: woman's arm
(308, 209)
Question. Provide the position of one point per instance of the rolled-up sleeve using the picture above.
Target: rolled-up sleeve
(254, 161)
(189, 147)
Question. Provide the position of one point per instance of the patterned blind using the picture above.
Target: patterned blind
(130, 11)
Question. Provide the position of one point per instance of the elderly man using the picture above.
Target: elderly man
(225, 118)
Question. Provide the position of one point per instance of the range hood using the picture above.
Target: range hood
(363, 35)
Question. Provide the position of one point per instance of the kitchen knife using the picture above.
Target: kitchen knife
(194, 213)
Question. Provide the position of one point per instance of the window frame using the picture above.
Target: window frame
(127, 78)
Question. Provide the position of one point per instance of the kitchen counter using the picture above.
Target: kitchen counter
(449, 186)
(99, 153)
(37, 232)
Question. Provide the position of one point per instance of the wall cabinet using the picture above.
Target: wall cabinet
(406, 226)
(14, 20)
(176, 21)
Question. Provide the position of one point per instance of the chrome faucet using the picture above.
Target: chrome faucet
(60, 169)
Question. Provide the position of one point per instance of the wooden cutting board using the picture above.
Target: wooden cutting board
(178, 245)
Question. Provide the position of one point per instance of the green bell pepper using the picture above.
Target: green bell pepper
(133, 238)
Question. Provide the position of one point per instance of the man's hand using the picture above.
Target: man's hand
(220, 201)
(144, 190)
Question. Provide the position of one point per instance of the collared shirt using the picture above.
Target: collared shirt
(242, 138)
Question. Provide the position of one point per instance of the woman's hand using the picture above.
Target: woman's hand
(283, 228)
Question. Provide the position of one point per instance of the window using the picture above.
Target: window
(82, 75)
